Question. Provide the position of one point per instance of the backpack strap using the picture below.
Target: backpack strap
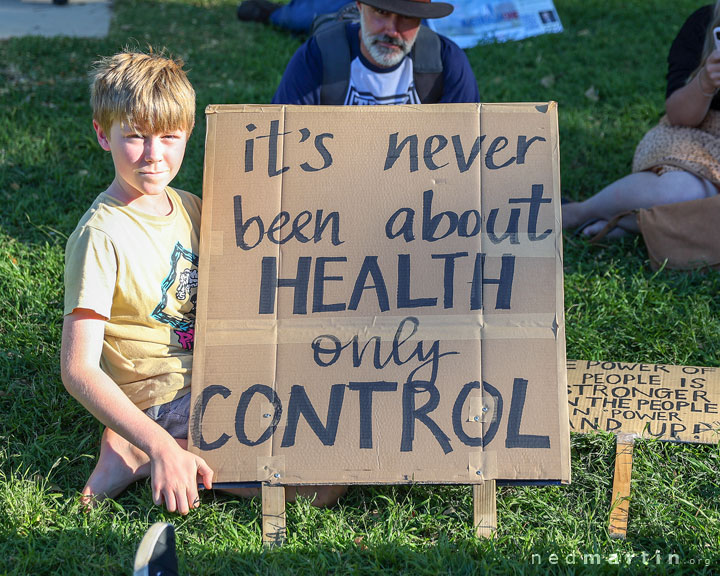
(428, 66)
(335, 51)
(347, 12)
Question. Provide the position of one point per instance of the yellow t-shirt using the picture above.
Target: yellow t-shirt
(140, 272)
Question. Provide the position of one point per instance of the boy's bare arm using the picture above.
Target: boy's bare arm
(174, 471)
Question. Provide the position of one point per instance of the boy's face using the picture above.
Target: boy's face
(144, 163)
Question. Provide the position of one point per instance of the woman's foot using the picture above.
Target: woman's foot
(573, 214)
(593, 227)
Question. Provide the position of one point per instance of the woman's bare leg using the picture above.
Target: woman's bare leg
(638, 190)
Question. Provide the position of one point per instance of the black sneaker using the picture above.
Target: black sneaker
(156, 554)
(256, 10)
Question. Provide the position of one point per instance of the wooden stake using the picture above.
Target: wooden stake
(621, 485)
(273, 515)
(485, 509)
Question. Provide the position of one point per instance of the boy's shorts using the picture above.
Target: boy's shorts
(173, 416)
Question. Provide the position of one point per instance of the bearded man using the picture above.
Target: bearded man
(387, 57)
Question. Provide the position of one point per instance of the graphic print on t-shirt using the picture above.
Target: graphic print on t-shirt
(368, 87)
(183, 278)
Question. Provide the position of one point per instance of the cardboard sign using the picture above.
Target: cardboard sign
(674, 403)
(381, 296)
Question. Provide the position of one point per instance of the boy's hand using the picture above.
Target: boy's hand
(174, 477)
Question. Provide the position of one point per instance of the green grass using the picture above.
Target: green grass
(617, 309)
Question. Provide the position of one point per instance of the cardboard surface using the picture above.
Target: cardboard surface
(674, 403)
(362, 272)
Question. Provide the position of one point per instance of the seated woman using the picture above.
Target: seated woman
(679, 159)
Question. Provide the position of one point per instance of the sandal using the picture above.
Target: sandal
(589, 222)
(610, 226)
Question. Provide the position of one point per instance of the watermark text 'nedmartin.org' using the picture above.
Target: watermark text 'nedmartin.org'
(617, 559)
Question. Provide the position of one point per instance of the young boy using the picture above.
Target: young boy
(130, 285)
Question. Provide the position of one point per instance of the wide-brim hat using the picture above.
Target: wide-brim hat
(413, 8)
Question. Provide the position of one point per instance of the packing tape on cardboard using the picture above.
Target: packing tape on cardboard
(524, 246)
(265, 413)
(489, 405)
(271, 469)
(455, 327)
(482, 465)
(477, 409)
(520, 246)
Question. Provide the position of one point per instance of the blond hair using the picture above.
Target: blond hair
(709, 45)
(148, 91)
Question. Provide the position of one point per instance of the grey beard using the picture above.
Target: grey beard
(386, 57)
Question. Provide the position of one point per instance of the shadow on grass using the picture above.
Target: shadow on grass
(374, 530)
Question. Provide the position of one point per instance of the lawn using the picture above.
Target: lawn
(606, 71)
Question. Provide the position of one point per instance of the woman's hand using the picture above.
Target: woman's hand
(689, 105)
(709, 75)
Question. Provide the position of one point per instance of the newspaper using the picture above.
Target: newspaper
(480, 22)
